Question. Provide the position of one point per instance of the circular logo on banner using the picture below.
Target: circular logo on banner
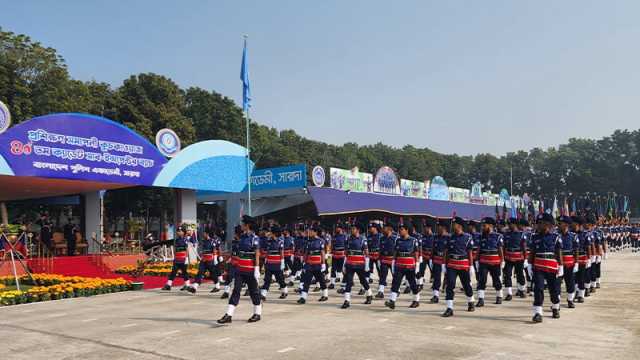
(168, 142)
(318, 176)
(5, 117)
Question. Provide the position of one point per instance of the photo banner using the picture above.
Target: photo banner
(416, 189)
(386, 181)
(351, 180)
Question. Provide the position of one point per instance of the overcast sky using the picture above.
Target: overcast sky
(455, 76)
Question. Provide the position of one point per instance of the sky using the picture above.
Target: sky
(462, 77)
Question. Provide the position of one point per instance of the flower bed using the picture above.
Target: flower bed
(156, 269)
(46, 287)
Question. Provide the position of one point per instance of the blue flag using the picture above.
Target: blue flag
(244, 76)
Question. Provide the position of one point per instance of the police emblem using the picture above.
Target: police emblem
(5, 117)
(168, 142)
(318, 176)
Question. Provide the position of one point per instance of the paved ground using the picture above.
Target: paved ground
(155, 325)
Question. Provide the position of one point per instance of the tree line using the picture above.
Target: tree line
(35, 80)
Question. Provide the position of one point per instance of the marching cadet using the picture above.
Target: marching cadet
(299, 242)
(514, 255)
(545, 264)
(247, 271)
(406, 264)
(426, 246)
(289, 250)
(475, 234)
(337, 254)
(387, 253)
(491, 260)
(597, 248)
(569, 258)
(373, 242)
(232, 262)
(438, 267)
(274, 263)
(180, 247)
(357, 263)
(523, 225)
(458, 259)
(584, 257)
(635, 235)
(314, 265)
(416, 232)
(209, 260)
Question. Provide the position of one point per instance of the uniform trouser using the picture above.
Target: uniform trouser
(436, 273)
(569, 281)
(336, 266)
(595, 271)
(539, 278)
(423, 269)
(183, 271)
(494, 270)
(240, 278)
(476, 270)
(509, 267)
(384, 271)
(375, 265)
(268, 273)
(288, 263)
(402, 273)
(211, 268)
(230, 275)
(581, 276)
(465, 279)
(348, 276)
(297, 263)
(308, 277)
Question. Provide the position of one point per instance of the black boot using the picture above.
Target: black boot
(301, 301)
(390, 304)
(498, 300)
(323, 299)
(471, 307)
(184, 288)
(345, 305)
(580, 300)
(254, 318)
(555, 313)
(521, 294)
(368, 300)
(225, 295)
(537, 318)
(214, 290)
(290, 283)
(226, 319)
(316, 289)
(597, 285)
(508, 297)
(361, 292)
(593, 290)
(406, 290)
(331, 286)
(340, 291)
(263, 298)
(480, 303)
(246, 293)
(380, 295)
(191, 290)
(570, 305)
(166, 288)
(434, 300)
(414, 304)
(283, 296)
(448, 313)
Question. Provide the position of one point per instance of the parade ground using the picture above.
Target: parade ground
(176, 325)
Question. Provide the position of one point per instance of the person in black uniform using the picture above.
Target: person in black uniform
(426, 246)
(274, 262)
(406, 265)
(459, 257)
(569, 258)
(545, 264)
(357, 263)
(314, 265)
(387, 254)
(491, 260)
(209, 259)
(289, 251)
(373, 242)
(438, 267)
(179, 260)
(231, 262)
(337, 254)
(514, 255)
(247, 272)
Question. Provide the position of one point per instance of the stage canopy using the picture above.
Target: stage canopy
(337, 202)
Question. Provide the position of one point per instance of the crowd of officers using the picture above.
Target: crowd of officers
(553, 252)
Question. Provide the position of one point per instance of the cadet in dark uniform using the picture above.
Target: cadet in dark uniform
(514, 255)
(180, 246)
(357, 263)
(387, 254)
(438, 267)
(584, 258)
(545, 263)
(459, 257)
(523, 225)
(289, 251)
(569, 258)
(475, 234)
(209, 260)
(491, 260)
(337, 254)
(314, 265)
(231, 262)
(373, 242)
(426, 246)
(596, 258)
(247, 272)
(299, 242)
(406, 264)
(274, 263)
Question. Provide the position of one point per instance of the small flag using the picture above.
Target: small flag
(244, 76)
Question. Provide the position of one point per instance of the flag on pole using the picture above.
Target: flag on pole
(244, 76)
(555, 212)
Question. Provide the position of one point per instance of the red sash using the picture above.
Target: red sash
(426, 254)
(288, 253)
(274, 259)
(438, 260)
(207, 257)
(458, 264)
(338, 254)
(490, 259)
(355, 259)
(546, 265)
(234, 260)
(314, 259)
(374, 255)
(568, 260)
(514, 256)
(583, 259)
(406, 262)
(246, 264)
(388, 260)
(180, 255)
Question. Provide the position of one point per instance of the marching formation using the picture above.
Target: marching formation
(557, 256)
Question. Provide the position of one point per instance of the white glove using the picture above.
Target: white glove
(530, 270)
(323, 267)
(420, 260)
(444, 268)
(256, 272)
(282, 264)
(477, 264)
(430, 264)
(393, 266)
(526, 263)
(593, 259)
(472, 272)
(215, 260)
(588, 263)
(598, 259)
(292, 258)
(502, 265)
(418, 267)
(366, 264)
(576, 267)
(561, 271)
(220, 259)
